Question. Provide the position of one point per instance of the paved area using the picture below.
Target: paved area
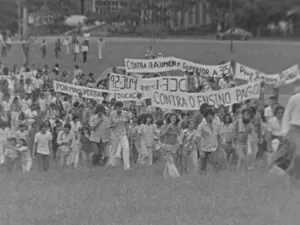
(182, 40)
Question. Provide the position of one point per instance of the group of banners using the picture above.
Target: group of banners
(163, 97)
(171, 91)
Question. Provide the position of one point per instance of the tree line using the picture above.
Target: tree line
(249, 14)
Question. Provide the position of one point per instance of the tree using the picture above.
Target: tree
(250, 14)
(50, 12)
(182, 6)
(8, 16)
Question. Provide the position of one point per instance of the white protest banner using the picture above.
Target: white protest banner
(146, 86)
(171, 63)
(124, 96)
(246, 73)
(287, 76)
(193, 101)
(70, 89)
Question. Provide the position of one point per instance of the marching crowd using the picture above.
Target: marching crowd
(39, 125)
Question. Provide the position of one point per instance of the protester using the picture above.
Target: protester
(41, 124)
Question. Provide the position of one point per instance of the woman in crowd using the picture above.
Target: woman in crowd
(170, 145)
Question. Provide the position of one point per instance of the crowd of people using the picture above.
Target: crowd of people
(39, 125)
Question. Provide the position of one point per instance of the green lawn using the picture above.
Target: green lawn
(141, 196)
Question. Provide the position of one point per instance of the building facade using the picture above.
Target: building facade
(197, 16)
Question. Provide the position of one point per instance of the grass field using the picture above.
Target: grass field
(140, 196)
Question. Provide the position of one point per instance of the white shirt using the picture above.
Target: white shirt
(76, 48)
(29, 88)
(75, 126)
(43, 104)
(223, 84)
(66, 42)
(101, 44)
(11, 84)
(42, 141)
(268, 113)
(26, 104)
(4, 135)
(84, 48)
(274, 127)
(291, 113)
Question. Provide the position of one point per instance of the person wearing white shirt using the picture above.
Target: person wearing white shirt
(26, 103)
(66, 43)
(268, 112)
(84, 50)
(101, 45)
(291, 131)
(76, 50)
(29, 87)
(4, 132)
(11, 83)
(43, 148)
(43, 103)
(77, 71)
(223, 83)
(75, 124)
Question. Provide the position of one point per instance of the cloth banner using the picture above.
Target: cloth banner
(287, 76)
(193, 101)
(125, 84)
(171, 63)
(70, 89)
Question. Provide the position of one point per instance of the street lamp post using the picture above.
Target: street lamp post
(231, 25)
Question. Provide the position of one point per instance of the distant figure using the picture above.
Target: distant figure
(149, 52)
(66, 44)
(26, 50)
(101, 44)
(57, 48)
(87, 38)
(84, 50)
(160, 55)
(44, 48)
(76, 50)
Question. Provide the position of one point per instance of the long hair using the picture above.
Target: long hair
(168, 119)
